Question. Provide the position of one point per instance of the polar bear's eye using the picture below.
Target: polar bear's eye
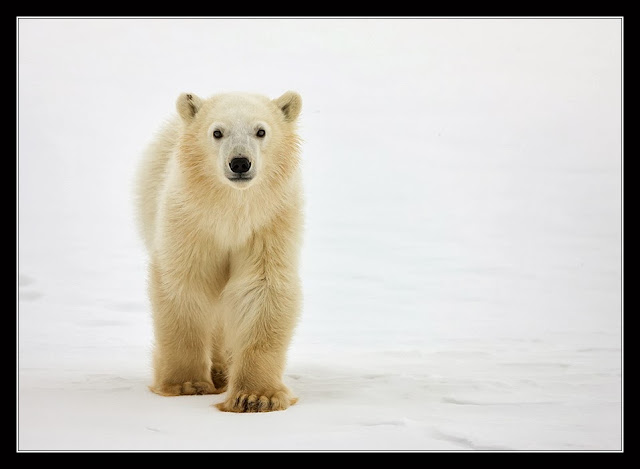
(217, 134)
(261, 133)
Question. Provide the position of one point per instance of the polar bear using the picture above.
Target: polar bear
(219, 201)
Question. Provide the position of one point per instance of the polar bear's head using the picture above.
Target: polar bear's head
(240, 139)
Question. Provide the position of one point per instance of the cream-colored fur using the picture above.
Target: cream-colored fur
(223, 253)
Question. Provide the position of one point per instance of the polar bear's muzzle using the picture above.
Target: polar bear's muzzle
(240, 170)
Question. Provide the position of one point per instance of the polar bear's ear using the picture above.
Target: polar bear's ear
(290, 104)
(188, 105)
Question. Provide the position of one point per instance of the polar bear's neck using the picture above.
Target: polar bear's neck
(231, 216)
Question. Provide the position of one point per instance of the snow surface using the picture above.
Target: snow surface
(462, 263)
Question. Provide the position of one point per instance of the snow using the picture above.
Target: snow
(462, 263)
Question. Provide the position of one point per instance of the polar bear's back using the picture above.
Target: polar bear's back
(151, 176)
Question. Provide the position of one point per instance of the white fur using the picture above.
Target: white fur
(224, 253)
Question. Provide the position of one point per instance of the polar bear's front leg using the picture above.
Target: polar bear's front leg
(182, 359)
(263, 300)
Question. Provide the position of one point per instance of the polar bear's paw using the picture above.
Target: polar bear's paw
(188, 388)
(219, 378)
(257, 402)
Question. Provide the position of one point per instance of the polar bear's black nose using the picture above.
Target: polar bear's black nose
(240, 165)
